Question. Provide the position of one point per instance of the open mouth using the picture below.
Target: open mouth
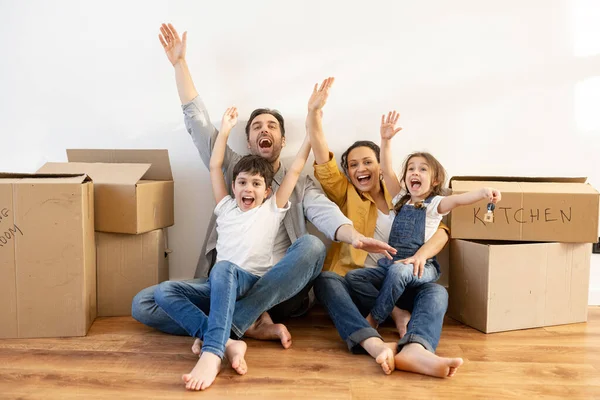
(265, 142)
(247, 201)
(363, 179)
(415, 184)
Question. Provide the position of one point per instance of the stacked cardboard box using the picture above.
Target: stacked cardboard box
(133, 194)
(530, 266)
(127, 264)
(47, 255)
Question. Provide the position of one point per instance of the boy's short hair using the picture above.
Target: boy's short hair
(253, 164)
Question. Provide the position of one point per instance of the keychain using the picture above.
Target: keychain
(489, 215)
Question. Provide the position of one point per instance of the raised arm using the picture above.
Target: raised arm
(448, 203)
(217, 178)
(293, 173)
(197, 120)
(314, 119)
(388, 130)
(175, 50)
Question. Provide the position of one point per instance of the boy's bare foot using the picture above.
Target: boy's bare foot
(265, 329)
(415, 358)
(204, 373)
(197, 347)
(382, 352)
(372, 321)
(401, 318)
(235, 350)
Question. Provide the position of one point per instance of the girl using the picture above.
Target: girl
(418, 213)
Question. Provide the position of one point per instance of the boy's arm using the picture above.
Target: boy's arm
(293, 173)
(314, 120)
(388, 130)
(217, 178)
(448, 203)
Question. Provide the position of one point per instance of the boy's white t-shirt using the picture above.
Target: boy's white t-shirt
(246, 238)
(432, 216)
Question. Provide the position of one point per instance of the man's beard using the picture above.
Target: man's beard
(275, 152)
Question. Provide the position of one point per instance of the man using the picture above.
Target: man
(298, 256)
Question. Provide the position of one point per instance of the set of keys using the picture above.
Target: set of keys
(489, 215)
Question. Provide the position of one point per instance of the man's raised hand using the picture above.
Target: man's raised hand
(173, 45)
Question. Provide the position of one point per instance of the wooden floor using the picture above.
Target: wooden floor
(122, 359)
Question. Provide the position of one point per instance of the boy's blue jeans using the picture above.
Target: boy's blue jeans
(227, 283)
(383, 286)
(281, 284)
(428, 304)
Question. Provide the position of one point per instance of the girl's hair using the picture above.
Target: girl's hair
(360, 143)
(438, 178)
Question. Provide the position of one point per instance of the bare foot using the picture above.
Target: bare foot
(204, 373)
(265, 329)
(415, 358)
(372, 321)
(235, 350)
(197, 347)
(401, 318)
(382, 352)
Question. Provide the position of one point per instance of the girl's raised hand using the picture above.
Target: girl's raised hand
(388, 125)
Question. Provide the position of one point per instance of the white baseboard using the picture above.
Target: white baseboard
(594, 299)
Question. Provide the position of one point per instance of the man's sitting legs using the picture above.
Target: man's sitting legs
(145, 310)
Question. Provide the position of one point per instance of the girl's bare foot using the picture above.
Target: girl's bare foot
(204, 373)
(235, 350)
(401, 318)
(265, 329)
(382, 352)
(415, 358)
(197, 347)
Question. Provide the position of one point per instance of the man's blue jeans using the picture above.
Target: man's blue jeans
(227, 283)
(286, 283)
(428, 304)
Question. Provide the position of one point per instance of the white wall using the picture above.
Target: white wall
(489, 88)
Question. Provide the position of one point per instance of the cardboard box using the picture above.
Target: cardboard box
(500, 286)
(127, 264)
(532, 209)
(133, 188)
(47, 255)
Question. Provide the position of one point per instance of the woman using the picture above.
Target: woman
(362, 196)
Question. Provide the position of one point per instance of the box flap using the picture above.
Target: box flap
(100, 172)
(54, 177)
(518, 179)
(158, 158)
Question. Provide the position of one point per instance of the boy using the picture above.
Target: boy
(247, 224)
